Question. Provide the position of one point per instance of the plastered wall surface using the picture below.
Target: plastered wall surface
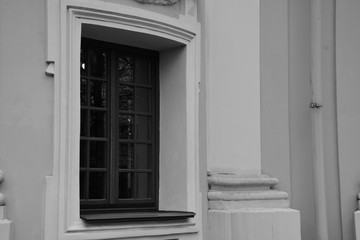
(285, 95)
(26, 103)
(202, 121)
(332, 182)
(348, 108)
(274, 71)
(233, 86)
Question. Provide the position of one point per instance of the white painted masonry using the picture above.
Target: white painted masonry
(241, 201)
(255, 224)
(233, 86)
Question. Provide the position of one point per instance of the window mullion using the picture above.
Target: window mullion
(87, 127)
(114, 130)
(155, 128)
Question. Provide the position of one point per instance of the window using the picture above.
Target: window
(178, 45)
(119, 128)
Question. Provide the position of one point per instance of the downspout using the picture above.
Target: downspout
(317, 121)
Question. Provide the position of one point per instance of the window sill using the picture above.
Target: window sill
(136, 216)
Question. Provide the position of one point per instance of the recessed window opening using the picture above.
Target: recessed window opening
(119, 128)
(119, 134)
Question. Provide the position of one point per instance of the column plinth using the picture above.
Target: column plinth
(244, 207)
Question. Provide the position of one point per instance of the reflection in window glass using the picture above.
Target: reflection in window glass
(98, 93)
(126, 98)
(126, 73)
(98, 124)
(97, 63)
(126, 126)
(142, 99)
(126, 155)
(142, 156)
(97, 183)
(125, 185)
(98, 153)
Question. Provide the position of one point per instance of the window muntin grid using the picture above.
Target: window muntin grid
(118, 142)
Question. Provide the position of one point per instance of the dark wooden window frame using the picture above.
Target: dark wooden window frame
(112, 203)
(128, 210)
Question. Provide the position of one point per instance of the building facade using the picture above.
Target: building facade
(179, 119)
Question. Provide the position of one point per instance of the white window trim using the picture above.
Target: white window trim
(61, 213)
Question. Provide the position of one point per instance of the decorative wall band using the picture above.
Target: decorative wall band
(232, 182)
(232, 192)
(247, 195)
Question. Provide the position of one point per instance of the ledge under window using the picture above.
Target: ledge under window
(136, 216)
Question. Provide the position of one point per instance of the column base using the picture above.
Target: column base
(5, 229)
(245, 207)
(254, 224)
(357, 219)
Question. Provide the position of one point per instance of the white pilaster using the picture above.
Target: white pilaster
(242, 204)
(233, 85)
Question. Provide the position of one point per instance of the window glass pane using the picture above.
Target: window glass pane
(126, 98)
(97, 63)
(143, 128)
(83, 62)
(143, 156)
(125, 185)
(83, 154)
(126, 126)
(126, 69)
(98, 153)
(82, 184)
(98, 93)
(83, 124)
(141, 185)
(142, 71)
(126, 155)
(83, 90)
(98, 124)
(142, 100)
(130, 174)
(97, 185)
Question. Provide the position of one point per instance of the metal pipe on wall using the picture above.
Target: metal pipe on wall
(317, 121)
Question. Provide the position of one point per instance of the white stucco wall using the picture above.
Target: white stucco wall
(348, 108)
(26, 108)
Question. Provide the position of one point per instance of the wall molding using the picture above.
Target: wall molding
(158, 2)
(234, 192)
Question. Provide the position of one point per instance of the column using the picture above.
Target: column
(242, 202)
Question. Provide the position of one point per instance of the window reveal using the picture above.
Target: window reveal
(119, 128)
